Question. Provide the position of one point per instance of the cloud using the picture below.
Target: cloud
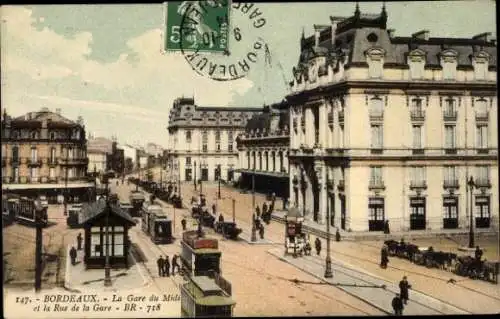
(41, 67)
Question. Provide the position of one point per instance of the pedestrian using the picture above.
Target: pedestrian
(261, 231)
(214, 209)
(175, 264)
(79, 240)
(166, 267)
(384, 259)
(72, 255)
(478, 253)
(317, 243)
(160, 262)
(397, 305)
(221, 218)
(337, 235)
(264, 208)
(183, 223)
(386, 227)
(403, 289)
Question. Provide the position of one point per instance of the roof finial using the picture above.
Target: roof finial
(357, 13)
(303, 33)
(384, 13)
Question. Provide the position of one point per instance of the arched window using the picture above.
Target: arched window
(376, 107)
(481, 106)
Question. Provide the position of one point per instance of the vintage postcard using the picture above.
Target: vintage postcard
(223, 158)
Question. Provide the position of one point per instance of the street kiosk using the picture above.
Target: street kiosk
(295, 239)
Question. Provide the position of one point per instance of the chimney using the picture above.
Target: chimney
(316, 35)
(486, 37)
(335, 21)
(391, 33)
(58, 111)
(421, 35)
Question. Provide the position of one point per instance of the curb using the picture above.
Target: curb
(325, 281)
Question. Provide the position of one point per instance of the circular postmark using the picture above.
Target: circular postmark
(222, 41)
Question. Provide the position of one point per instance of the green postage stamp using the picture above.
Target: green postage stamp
(199, 26)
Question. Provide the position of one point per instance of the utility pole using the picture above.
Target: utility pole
(328, 261)
(138, 174)
(179, 176)
(234, 206)
(66, 184)
(201, 180)
(107, 268)
(471, 185)
(38, 246)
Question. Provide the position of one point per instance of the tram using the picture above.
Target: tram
(157, 225)
(202, 296)
(136, 200)
(74, 219)
(199, 256)
(25, 212)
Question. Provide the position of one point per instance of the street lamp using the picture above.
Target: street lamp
(107, 268)
(194, 180)
(179, 177)
(471, 185)
(254, 227)
(218, 178)
(328, 261)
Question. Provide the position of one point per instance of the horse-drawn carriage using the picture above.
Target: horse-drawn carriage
(468, 266)
(228, 230)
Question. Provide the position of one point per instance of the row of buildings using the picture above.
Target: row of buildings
(376, 127)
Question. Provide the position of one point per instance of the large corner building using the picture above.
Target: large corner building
(394, 128)
(201, 138)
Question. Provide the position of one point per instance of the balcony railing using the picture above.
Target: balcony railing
(341, 116)
(417, 115)
(483, 182)
(451, 183)
(376, 115)
(376, 184)
(376, 150)
(341, 185)
(52, 161)
(34, 161)
(73, 161)
(4, 162)
(450, 150)
(330, 118)
(15, 161)
(450, 115)
(418, 184)
(482, 116)
(418, 151)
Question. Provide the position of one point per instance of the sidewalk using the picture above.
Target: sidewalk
(367, 287)
(310, 226)
(80, 279)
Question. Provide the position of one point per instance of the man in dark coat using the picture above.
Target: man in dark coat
(478, 253)
(337, 235)
(386, 227)
(161, 263)
(403, 288)
(79, 241)
(317, 243)
(264, 208)
(166, 267)
(384, 257)
(183, 223)
(72, 255)
(397, 305)
(221, 218)
(261, 231)
(175, 264)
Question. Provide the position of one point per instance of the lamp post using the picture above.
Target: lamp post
(471, 185)
(254, 227)
(66, 185)
(328, 261)
(194, 180)
(107, 269)
(179, 177)
(218, 178)
(138, 174)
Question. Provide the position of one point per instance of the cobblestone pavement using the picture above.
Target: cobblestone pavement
(263, 285)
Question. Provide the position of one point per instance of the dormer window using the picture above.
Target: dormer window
(52, 135)
(416, 62)
(375, 60)
(480, 63)
(449, 64)
(33, 135)
(313, 70)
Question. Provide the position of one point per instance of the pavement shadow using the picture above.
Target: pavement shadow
(138, 254)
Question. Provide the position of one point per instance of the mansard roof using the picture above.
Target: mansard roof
(44, 115)
(357, 34)
(262, 121)
(186, 113)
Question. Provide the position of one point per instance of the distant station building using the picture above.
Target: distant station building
(44, 153)
(263, 151)
(202, 137)
(95, 217)
(393, 128)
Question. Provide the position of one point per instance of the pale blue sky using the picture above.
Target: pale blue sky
(104, 62)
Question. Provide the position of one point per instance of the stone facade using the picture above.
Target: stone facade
(97, 161)
(201, 138)
(392, 128)
(263, 151)
(43, 150)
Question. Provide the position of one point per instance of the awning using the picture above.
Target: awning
(263, 173)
